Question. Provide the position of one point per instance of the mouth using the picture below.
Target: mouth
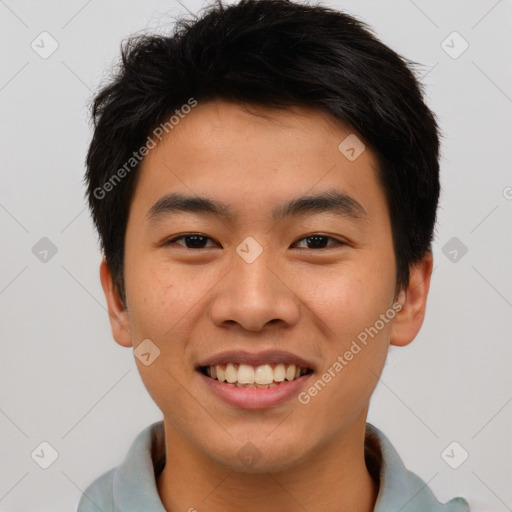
(248, 376)
(255, 381)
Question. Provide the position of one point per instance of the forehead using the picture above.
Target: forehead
(254, 158)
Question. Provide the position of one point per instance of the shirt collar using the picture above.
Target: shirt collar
(134, 481)
(401, 490)
(134, 484)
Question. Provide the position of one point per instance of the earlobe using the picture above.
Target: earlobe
(413, 299)
(118, 315)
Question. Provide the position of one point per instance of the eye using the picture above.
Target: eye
(198, 241)
(193, 241)
(318, 242)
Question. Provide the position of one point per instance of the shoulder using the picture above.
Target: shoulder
(99, 494)
(130, 486)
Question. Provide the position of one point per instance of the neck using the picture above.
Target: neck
(335, 477)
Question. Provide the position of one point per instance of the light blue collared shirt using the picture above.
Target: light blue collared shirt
(131, 486)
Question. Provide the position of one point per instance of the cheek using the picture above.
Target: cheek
(162, 302)
(353, 366)
(167, 304)
(158, 296)
(348, 299)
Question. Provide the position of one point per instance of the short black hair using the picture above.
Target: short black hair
(277, 54)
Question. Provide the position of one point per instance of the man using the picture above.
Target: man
(265, 184)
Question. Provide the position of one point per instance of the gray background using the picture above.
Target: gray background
(65, 381)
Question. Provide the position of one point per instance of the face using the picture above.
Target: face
(287, 260)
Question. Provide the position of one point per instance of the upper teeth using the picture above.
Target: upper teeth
(247, 374)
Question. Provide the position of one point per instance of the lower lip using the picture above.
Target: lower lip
(255, 398)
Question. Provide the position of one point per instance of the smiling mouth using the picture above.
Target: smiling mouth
(248, 376)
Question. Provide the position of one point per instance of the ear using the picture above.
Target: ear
(413, 299)
(118, 315)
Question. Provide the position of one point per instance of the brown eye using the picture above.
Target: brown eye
(191, 241)
(318, 242)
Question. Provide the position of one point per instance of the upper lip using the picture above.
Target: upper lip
(257, 358)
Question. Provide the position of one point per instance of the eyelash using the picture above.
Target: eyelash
(338, 242)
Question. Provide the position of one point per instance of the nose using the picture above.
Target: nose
(254, 295)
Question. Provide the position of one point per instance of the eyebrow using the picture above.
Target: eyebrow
(330, 201)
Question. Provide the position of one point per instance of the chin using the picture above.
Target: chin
(260, 456)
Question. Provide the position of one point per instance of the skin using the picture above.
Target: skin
(194, 303)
